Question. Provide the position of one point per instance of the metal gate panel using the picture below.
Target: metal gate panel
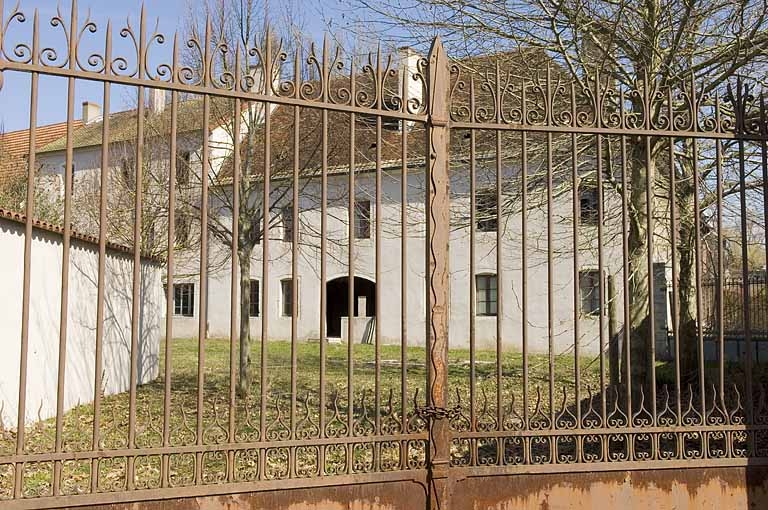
(591, 287)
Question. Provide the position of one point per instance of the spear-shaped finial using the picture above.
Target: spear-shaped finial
(207, 60)
(108, 48)
(175, 63)
(72, 36)
(35, 35)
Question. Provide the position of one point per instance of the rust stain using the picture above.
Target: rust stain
(679, 489)
(377, 496)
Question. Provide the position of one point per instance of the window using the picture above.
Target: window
(486, 294)
(589, 288)
(183, 168)
(387, 123)
(152, 234)
(72, 182)
(588, 212)
(286, 291)
(184, 299)
(485, 211)
(182, 227)
(287, 219)
(363, 219)
(254, 308)
(256, 232)
(126, 173)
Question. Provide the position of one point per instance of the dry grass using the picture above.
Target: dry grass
(78, 423)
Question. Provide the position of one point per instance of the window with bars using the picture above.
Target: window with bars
(363, 219)
(182, 226)
(183, 163)
(184, 299)
(127, 173)
(589, 289)
(486, 294)
(486, 211)
(286, 291)
(286, 214)
(254, 293)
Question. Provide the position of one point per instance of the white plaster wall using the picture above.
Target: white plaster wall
(537, 313)
(44, 321)
(537, 316)
(87, 163)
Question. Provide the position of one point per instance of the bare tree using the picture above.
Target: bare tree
(654, 44)
(271, 63)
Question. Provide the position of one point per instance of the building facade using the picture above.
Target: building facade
(524, 292)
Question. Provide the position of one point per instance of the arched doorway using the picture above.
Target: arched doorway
(337, 292)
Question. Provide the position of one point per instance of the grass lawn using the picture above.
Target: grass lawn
(113, 430)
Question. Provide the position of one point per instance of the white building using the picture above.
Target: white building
(541, 328)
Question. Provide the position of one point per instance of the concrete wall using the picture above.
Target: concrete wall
(44, 321)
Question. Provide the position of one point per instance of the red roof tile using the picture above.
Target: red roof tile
(14, 147)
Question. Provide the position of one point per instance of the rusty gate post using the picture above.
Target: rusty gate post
(437, 210)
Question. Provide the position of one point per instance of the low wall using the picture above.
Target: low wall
(44, 321)
(363, 329)
(679, 489)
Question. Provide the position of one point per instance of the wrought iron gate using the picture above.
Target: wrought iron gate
(565, 225)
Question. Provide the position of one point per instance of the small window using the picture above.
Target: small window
(254, 292)
(183, 161)
(152, 234)
(256, 232)
(287, 220)
(486, 211)
(286, 291)
(486, 289)
(363, 219)
(127, 174)
(387, 123)
(72, 181)
(588, 212)
(589, 288)
(184, 299)
(182, 228)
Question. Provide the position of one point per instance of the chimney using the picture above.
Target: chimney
(259, 87)
(91, 112)
(408, 67)
(156, 100)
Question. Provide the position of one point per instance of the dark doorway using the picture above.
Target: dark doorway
(337, 291)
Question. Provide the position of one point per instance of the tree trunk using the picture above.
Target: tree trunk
(244, 381)
(614, 353)
(639, 326)
(687, 288)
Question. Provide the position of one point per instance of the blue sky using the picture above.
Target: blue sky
(14, 97)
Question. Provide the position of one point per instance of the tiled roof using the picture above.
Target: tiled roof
(14, 147)
(338, 146)
(311, 140)
(123, 125)
(20, 218)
